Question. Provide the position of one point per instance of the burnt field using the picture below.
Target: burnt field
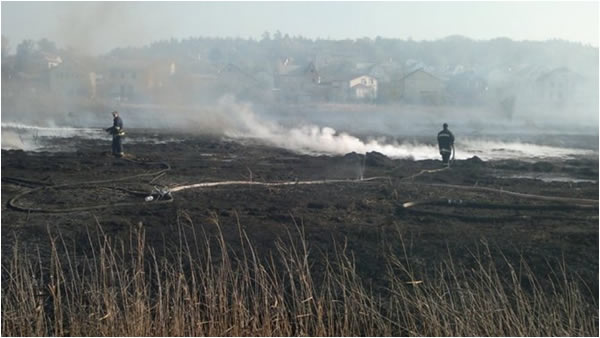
(361, 214)
(463, 213)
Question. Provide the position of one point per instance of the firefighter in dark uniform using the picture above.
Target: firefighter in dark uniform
(445, 143)
(117, 132)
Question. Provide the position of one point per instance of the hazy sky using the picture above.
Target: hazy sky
(99, 26)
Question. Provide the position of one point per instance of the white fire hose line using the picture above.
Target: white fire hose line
(572, 200)
(285, 183)
(580, 201)
(164, 194)
(270, 184)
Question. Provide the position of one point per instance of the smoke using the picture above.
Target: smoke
(11, 140)
(96, 27)
(240, 121)
(313, 139)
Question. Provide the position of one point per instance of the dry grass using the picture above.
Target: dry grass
(201, 288)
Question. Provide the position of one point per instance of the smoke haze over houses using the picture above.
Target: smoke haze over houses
(329, 77)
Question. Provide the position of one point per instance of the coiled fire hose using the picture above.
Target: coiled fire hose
(12, 203)
(163, 195)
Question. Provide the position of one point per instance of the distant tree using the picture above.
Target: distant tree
(266, 36)
(24, 52)
(215, 55)
(5, 46)
(45, 45)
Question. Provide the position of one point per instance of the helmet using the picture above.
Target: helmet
(445, 125)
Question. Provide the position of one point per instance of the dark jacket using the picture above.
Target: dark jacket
(117, 126)
(445, 140)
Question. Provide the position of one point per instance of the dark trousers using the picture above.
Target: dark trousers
(117, 146)
(445, 155)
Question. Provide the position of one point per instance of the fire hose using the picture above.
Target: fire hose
(410, 207)
(163, 195)
(43, 185)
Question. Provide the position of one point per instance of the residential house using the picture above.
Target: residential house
(542, 93)
(388, 75)
(557, 87)
(72, 78)
(334, 90)
(52, 60)
(232, 79)
(385, 72)
(134, 80)
(122, 80)
(363, 87)
(420, 86)
(467, 88)
(296, 83)
(207, 82)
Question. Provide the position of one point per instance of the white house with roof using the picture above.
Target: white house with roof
(363, 87)
(52, 60)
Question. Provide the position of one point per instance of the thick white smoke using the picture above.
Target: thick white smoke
(312, 139)
(239, 121)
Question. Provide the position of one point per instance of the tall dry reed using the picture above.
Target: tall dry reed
(201, 287)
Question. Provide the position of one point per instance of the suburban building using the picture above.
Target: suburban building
(296, 83)
(558, 87)
(72, 78)
(363, 87)
(467, 88)
(420, 86)
(52, 60)
(122, 80)
(133, 80)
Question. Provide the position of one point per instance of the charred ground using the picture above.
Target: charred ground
(361, 217)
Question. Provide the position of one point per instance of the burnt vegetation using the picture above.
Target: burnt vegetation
(328, 259)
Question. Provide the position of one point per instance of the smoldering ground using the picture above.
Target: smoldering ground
(396, 134)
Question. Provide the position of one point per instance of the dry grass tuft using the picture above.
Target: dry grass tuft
(201, 288)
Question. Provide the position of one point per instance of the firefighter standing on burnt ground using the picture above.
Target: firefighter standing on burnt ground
(446, 143)
(117, 132)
